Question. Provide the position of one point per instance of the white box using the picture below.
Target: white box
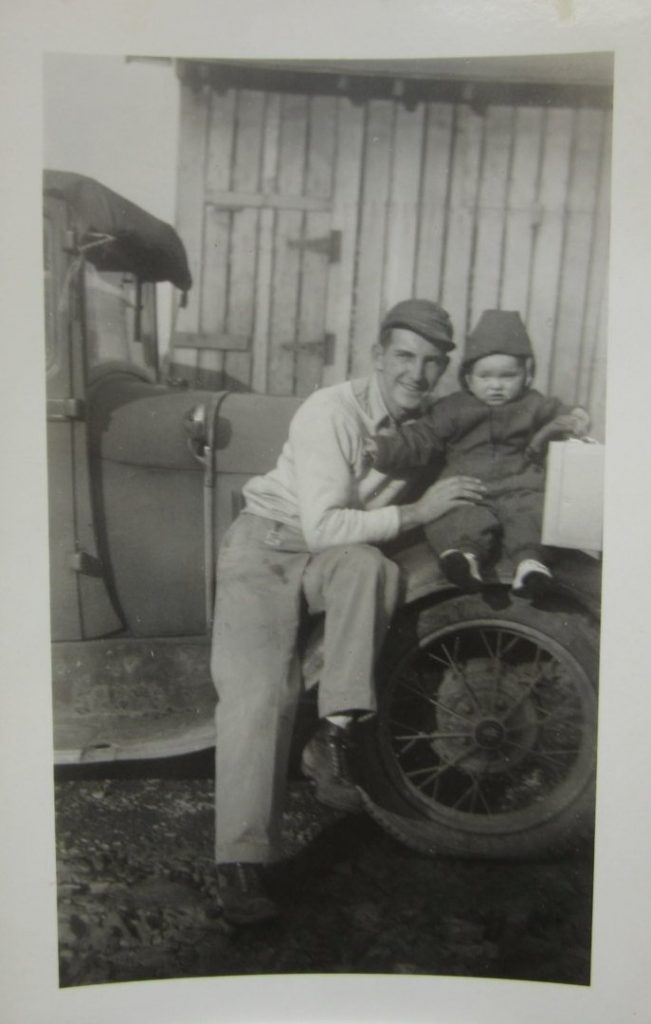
(574, 495)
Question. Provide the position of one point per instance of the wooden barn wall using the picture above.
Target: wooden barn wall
(307, 216)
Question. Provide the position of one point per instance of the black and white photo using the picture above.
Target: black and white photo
(359, 249)
(323, 534)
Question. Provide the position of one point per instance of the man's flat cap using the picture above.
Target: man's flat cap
(423, 317)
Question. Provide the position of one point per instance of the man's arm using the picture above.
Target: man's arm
(413, 447)
(326, 445)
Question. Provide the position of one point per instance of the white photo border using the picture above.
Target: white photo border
(621, 981)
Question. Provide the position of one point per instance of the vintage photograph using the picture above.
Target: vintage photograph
(326, 372)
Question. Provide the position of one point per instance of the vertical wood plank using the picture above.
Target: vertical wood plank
(237, 371)
(315, 265)
(458, 251)
(521, 210)
(320, 153)
(375, 186)
(592, 353)
(193, 134)
(265, 247)
(289, 223)
(486, 272)
(403, 212)
(577, 252)
(434, 199)
(217, 230)
(213, 286)
(247, 158)
(548, 237)
(345, 219)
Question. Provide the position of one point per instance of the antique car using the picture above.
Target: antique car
(485, 740)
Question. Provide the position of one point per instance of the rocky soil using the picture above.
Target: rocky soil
(138, 897)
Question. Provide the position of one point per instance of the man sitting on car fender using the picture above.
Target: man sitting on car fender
(307, 534)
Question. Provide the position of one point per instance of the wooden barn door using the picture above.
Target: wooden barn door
(257, 213)
(308, 211)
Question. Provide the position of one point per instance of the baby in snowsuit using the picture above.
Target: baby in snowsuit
(496, 429)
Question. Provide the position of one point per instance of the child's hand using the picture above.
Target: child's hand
(575, 423)
(580, 422)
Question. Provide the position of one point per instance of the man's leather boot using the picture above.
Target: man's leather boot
(243, 893)
(326, 761)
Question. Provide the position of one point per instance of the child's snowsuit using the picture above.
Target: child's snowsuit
(488, 442)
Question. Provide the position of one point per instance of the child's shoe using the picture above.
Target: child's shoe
(532, 579)
(462, 569)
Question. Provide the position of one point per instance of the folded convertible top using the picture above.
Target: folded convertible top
(118, 235)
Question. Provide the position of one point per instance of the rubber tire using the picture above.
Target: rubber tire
(562, 824)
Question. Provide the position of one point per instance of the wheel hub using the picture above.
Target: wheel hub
(486, 718)
(489, 733)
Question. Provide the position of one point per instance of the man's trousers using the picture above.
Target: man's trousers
(265, 579)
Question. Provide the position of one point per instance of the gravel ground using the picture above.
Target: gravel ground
(138, 897)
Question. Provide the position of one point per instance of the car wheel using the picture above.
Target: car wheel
(484, 744)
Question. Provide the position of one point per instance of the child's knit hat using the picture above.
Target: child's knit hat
(498, 331)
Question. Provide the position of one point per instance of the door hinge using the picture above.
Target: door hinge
(85, 564)
(328, 245)
(324, 346)
(66, 409)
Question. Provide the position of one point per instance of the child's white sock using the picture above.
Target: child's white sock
(461, 568)
(341, 721)
(474, 565)
(531, 578)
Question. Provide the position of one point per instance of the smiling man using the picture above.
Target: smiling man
(308, 536)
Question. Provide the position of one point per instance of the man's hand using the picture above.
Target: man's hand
(440, 498)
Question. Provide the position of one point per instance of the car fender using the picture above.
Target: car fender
(577, 581)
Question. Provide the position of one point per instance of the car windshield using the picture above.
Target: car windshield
(120, 319)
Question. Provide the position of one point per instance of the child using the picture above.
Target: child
(495, 429)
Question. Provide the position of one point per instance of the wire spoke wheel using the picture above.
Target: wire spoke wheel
(486, 728)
